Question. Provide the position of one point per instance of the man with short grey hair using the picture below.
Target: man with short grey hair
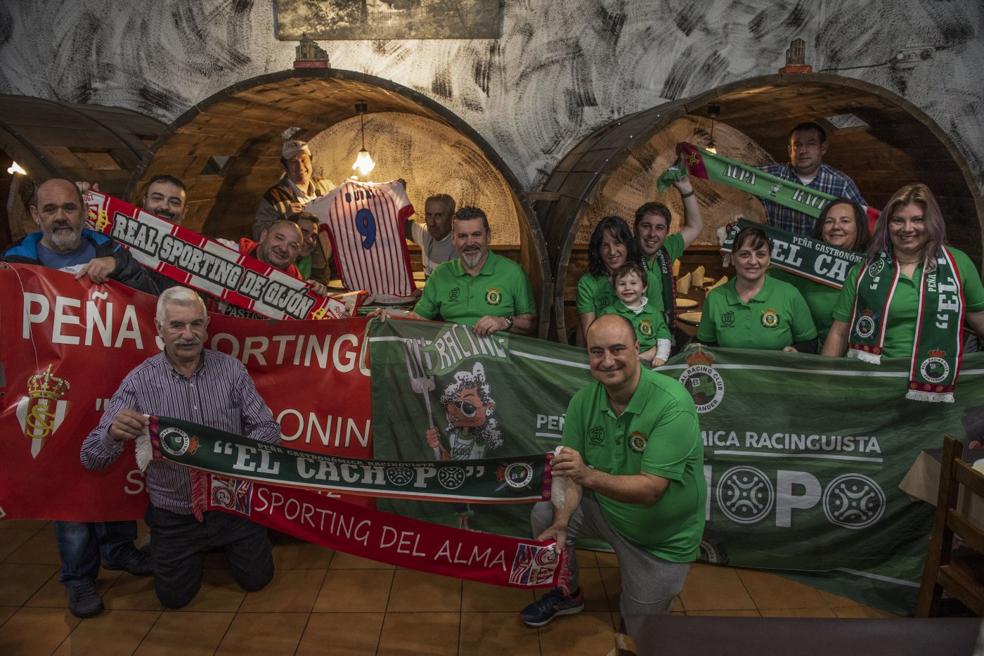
(434, 238)
(187, 381)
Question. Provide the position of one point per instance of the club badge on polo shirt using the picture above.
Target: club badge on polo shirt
(728, 319)
(453, 294)
(770, 318)
(646, 327)
(637, 442)
(493, 296)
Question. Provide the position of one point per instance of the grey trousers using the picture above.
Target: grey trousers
(649, 583)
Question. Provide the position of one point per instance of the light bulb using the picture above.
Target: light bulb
(16, 169)
(363, 163)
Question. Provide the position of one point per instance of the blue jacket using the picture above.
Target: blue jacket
(128, 271)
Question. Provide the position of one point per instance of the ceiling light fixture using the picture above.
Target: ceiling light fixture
(713, 111)
(363, 161)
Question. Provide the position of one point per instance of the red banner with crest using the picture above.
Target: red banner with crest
(65, 345)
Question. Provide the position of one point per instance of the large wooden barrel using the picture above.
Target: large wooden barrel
(227, 149)
(876, 137)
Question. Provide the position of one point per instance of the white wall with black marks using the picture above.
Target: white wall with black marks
(559, 70)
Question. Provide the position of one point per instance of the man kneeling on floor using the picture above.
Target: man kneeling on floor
(633, 462)
(190, 382)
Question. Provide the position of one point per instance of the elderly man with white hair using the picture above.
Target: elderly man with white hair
(187, 381)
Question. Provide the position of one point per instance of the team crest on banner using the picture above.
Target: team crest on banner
(232, 494)
(705, 385)
(533, 565)
(43, 410)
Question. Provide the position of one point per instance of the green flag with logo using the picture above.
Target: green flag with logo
(803, 454)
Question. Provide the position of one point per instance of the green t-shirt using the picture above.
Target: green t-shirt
(648, 323)
(594, 294)
(820, 298)
(674, 248)
(501, 289)
(901, 321)
(774, 318)
(658, 434)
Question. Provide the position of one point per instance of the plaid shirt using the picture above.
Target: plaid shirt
(828, 180)
(219, 394)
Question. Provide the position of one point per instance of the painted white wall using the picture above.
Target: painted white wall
(560, 70)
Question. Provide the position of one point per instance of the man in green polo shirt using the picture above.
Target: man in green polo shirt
(633, 462)
(478, 288)
(660, 249)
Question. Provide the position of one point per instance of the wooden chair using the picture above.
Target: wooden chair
(962, 575)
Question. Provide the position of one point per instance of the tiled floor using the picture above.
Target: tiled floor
(322, 602)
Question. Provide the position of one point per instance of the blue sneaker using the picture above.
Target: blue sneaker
(554, 603)
(83, 599)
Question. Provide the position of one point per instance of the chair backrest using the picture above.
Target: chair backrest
(958, 575)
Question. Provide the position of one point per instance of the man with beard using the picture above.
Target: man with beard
(478, 288)
(190, 382)
(660, 249)
(64, 244)
(632, 462)
(166, 197)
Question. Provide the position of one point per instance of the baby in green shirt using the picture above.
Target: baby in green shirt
(650, 327)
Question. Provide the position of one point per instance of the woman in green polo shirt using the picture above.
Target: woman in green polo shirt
(611, 246)
(844, 224)
(753, 310)
(908, 263)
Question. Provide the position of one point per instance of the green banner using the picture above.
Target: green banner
(802, 256)
(803, 454)
(497, 480)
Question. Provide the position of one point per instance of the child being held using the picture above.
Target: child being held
(650, 327)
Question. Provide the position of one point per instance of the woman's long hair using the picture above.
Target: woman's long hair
(862, 237)
(620, 230)
(919, 194)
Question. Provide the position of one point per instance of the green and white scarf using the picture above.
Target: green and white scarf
(937, 346)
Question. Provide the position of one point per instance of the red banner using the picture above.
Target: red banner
(65, 345)
(389, 538)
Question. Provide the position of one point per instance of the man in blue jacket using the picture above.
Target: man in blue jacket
(64, 244)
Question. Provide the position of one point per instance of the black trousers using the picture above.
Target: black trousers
(179, 543)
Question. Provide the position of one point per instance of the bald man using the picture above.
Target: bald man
(632, 439)
(63, 243)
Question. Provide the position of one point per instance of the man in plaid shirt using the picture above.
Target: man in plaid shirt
(807, 146)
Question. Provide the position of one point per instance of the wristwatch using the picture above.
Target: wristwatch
(509, 322)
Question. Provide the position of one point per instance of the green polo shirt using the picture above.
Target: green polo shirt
(675, 247)
(901, 329)
(658, 434)
(594, 294)
(820, 298)
(774, 318)
(648, 323)
(501, 289)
